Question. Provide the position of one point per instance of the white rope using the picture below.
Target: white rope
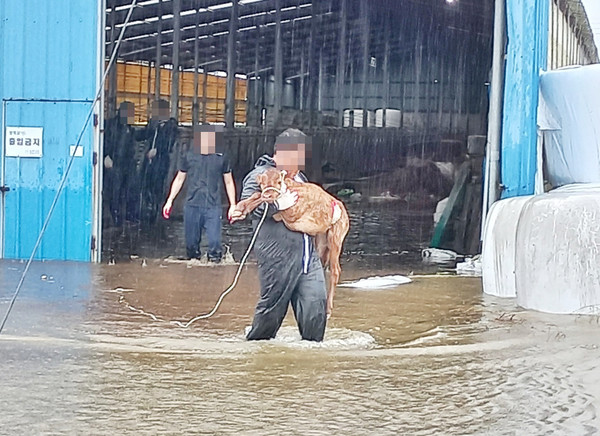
(235, 280)
(281, 191)
(223, 295)
(140, 311)
(271, 188)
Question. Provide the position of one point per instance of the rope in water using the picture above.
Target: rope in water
(223, 294)
(70, 164)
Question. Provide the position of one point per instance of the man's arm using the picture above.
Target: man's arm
(175, 188)
(249, 187)
(230, 190)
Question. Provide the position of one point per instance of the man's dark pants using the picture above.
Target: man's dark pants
(196, 218)
(279, 253)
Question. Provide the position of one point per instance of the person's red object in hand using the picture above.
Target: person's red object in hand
(166, 212)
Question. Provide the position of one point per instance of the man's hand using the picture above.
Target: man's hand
(236, 215)
(108, 162)
(230, 212)
(166, 212)
(286, 200)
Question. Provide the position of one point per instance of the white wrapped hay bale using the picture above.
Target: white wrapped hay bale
(499, 245)
(558, 251)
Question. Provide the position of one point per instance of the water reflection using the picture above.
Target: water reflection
(434, 356)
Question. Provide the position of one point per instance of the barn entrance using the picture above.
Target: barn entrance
(390, 92)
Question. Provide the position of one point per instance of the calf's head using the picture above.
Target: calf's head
(272, 184)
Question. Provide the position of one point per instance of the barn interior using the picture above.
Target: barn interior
(394, 94)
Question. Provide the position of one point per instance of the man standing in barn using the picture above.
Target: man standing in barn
(289, 267)
(204, 169)
(161, 135)
(119, 148)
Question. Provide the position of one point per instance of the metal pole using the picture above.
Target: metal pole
(492, 174)
(557, 36)
(195, 99)
(341, 65)
(211, 43)
(364, 10)
(97, 170)
(568, 30)
(231, 65)
(157, 63)
(563, 39)
(552, 38)
(352, 105)
(256, 68)
(386, 67)
(204, 90)
(175, 62)
(312, 47)
(557, 18)
(278, 88)
(573, 42)
(302, 78)
(321, 77)
(572, 31)
(149, 92)
(112, 79)
(2, 178)
(577, 48)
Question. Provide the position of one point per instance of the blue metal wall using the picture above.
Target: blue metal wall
(48, 67)
(527, 31)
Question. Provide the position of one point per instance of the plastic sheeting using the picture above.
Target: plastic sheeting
(499, 245)
(558, 252)
(569, 119)
(545, 250)
(378, 282)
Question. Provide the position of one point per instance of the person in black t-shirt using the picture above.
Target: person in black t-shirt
(204, 169)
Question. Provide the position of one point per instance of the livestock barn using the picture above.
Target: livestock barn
(395, 94)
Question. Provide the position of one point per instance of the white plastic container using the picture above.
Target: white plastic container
(392, 117)
(354, 118)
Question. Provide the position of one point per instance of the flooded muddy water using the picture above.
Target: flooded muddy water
(434, 356)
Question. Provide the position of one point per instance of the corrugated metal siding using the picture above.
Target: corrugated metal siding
(571, 40)
(527, 29)
(49, 52)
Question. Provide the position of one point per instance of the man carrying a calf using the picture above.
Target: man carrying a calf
(289, 268)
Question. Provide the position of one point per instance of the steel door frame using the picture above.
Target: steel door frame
(2, 181)
(98, 147)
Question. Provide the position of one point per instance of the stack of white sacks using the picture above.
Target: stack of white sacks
(545, 249)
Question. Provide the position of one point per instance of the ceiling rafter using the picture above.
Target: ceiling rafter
(257, 26)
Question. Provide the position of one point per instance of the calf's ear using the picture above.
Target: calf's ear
(282, 175)
(261, 178)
